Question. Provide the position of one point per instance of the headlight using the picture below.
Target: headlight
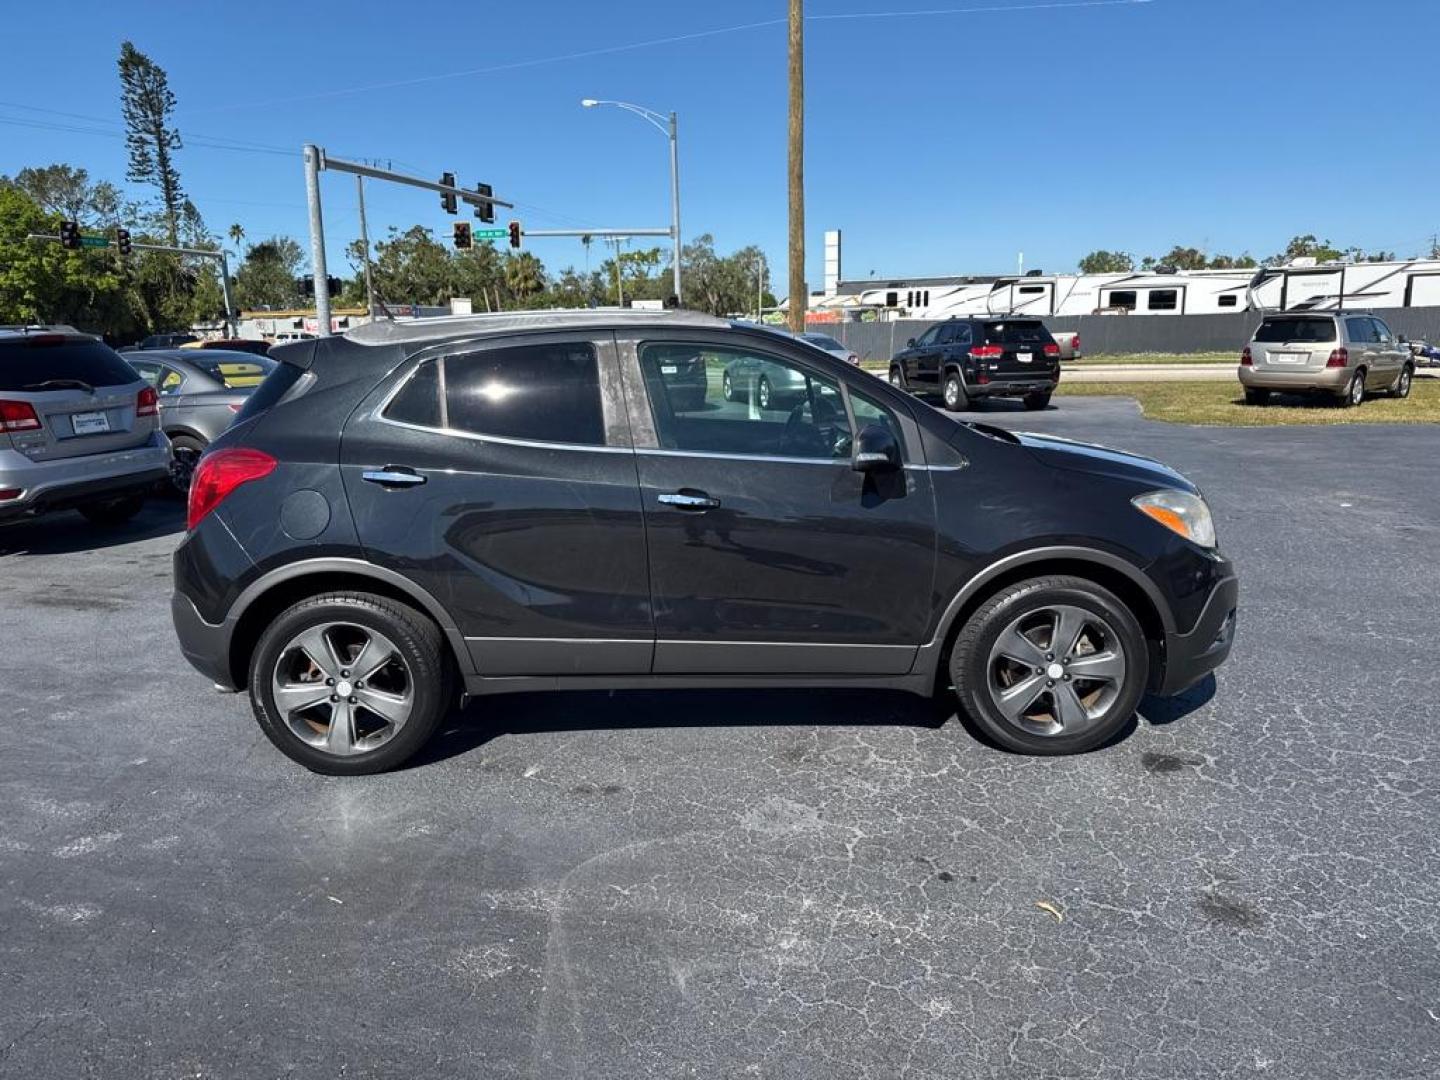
(1180, 512)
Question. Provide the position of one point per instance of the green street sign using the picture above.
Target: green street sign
(491, 234)
(94, 241)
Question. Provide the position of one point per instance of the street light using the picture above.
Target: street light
(667, 126)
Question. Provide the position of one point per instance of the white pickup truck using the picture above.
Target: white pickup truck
(1069, 342)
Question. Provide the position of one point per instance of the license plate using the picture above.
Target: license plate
(1287, 357)
(669, 369)
(1024, 357)
(89, 423)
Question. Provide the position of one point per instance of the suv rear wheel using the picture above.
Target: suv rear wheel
(350, 683)
(1354, 390)
(1257, 397)
(1053, 665)
(1036, 402)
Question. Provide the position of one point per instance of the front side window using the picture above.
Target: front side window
(867, 412)
(929, 337)
(733, 401)
(1382, 332)
(544, 392)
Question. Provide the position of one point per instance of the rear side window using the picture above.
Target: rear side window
(236, 371)
(418, 401)
(276, 385)
(29, 365)
(548, 393)
(1017, 333)
(1296, 328)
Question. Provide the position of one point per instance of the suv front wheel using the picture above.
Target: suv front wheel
(1053, 665)
(350, 683)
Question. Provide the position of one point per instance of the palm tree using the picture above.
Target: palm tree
(237, 234)
(524, 276)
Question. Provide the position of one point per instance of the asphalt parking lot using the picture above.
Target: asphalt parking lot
(753, 884)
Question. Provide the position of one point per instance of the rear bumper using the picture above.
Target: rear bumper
(47, 486)
(1330, 380)
(205, 646)
(1190, 657)
(1011, 387)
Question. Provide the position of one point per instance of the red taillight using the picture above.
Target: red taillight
(987, 352)
(1246, 360)
(18, 416)
(235, 406)
(1076, 346)
(1339, 358)
(9, 493)
(147, 402)
(1052, 350)
(221, 472)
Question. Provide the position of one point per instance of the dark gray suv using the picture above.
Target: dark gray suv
(532, 501)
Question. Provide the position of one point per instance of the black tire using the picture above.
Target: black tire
(1401, 389)
(970, 663)
(763, 393)
(897, 378)
(416, 638)
(727, 390)
(113, 512)
(185, 451)
(1256, 397)
(1354, 393)
(1036, 402)
(952, 392)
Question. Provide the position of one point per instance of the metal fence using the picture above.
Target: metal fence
(1125, 334)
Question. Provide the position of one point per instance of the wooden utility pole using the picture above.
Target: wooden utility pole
(797, 167)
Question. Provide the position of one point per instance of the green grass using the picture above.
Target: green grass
(1222, 404)
(1158, 358)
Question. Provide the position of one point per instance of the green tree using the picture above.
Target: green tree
(413, 268)
(67, 193)
(1107, 262)
(1307, 246)
(266, 277)
(524, 278)
(151, 138)
(721, 285)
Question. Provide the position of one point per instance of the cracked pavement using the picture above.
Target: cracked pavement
(745, 884)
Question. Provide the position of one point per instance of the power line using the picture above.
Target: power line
(673, 39)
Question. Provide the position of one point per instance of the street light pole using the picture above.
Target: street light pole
(670, 127)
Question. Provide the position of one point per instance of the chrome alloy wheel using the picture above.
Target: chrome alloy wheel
(1056, 670)
(342, 688)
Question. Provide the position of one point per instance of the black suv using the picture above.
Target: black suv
(965, 360)
(526, 501)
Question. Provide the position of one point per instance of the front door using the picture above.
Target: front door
(500, 479)
(768, 553)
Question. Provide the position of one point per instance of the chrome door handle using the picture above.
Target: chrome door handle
(393, 476)
(688, 500)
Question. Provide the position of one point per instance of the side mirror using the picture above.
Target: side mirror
(876, 450)
(910, 344)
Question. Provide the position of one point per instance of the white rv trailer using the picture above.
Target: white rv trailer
(1198, 292)
(1305, 285)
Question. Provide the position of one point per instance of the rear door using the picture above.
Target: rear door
(83, 395)
(1365, 347)
(499, 477)
(1026, 351)
(768, 553)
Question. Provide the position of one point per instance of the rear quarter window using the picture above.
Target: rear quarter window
(24, 365)
(277, 384)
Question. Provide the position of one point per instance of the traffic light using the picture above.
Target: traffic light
(305, 286)
(464, 240)
(122, 241)
(514, 234)
(335, 285)
(447, 198)
(486, 210)
(70, 235)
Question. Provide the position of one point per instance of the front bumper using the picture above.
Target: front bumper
(1190, 657)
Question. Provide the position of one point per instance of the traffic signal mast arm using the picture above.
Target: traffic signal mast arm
(474, 198)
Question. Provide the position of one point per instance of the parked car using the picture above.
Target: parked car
(1424, 354)
(967, 360)
(755, 378)
(1343, 354)
(1069, 342)
(830, 345)
(200, 393)
(510, 502)
(78, 428)
(286, 336)
(246, 345)
(166, 341)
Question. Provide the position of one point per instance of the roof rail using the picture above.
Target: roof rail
(384, 332)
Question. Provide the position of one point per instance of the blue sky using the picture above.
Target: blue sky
(939, 143)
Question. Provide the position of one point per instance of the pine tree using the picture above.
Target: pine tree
(147, 104)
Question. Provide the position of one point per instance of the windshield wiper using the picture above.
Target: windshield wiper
(62, 384)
